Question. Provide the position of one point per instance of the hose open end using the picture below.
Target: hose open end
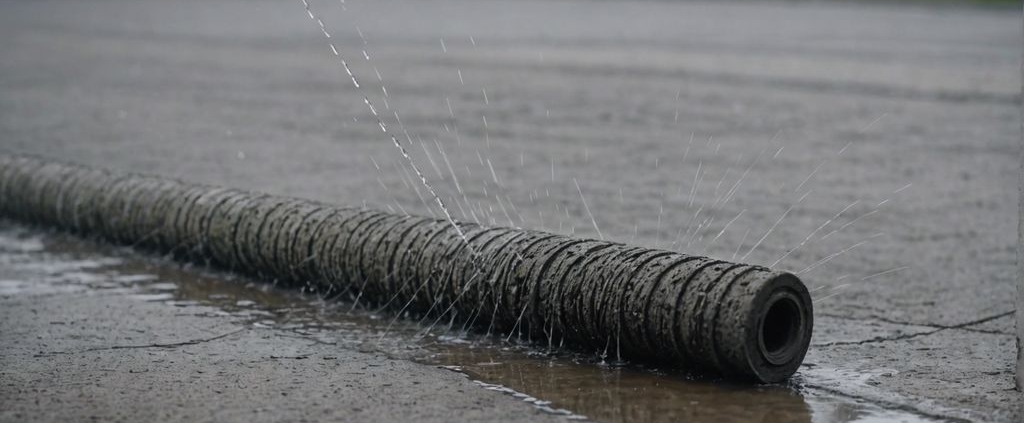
(779, 332)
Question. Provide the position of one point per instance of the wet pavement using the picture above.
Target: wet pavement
(871, 147)
(41, 268)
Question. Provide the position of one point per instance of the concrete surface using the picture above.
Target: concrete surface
(94, 350)
(910, 114)
(68, 363)
(1020, 250)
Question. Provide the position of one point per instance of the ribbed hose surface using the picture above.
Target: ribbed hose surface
(705, 315)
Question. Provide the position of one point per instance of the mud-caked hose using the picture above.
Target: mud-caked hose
(700, 314)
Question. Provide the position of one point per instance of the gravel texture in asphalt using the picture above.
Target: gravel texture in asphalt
(870, 148)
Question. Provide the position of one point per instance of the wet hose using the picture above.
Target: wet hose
(700, 314)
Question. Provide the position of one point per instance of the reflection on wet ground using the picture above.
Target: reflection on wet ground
(34, 262)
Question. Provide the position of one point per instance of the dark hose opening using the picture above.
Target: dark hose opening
(781, 330)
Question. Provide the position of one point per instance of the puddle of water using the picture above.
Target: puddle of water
(577, 386)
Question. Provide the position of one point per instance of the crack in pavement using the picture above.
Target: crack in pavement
(931, 325)
(938, 328)
(153, 345)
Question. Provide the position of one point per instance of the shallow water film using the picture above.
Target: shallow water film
(586, 387)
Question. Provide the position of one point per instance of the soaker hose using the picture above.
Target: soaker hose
(697, 313)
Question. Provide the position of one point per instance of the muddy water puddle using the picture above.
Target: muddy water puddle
(584, 387)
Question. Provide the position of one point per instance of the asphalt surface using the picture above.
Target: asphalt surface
(103, 336)
(903, 118)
